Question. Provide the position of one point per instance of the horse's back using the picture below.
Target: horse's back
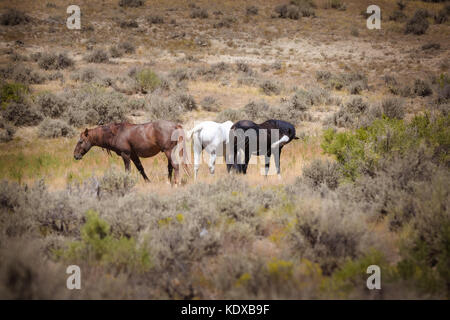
(244, 125)
(284, 127)
(211, 133)
(149, 138)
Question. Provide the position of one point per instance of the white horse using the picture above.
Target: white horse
(209, 135)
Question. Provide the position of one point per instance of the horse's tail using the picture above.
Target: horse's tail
(183, 154)
(197, 128)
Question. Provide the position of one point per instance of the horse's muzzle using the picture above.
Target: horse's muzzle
(77, 156)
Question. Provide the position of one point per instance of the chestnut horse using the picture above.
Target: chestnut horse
(131, 141)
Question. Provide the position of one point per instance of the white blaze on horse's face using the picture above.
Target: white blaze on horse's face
(283, 139)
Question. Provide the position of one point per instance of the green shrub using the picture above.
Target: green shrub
(98, 246)
(426, 249)
(359, 151)
(147, 80)
(352, 275)
(12, 92)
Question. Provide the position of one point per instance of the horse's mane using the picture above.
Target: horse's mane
(112, 129)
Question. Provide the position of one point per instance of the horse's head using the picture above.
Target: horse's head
(83, 145)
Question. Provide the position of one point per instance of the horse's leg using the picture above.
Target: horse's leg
(172, 165)
(126, 160)
(197, 156)
(212, 161)
(277, 156)
(169, 170)
(138, 164)
(247, 159)
(267, 163)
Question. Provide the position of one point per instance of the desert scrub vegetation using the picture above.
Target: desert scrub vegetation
(321, 172)
(115, 183)
(209, 103)
(199, 13)
(321, 244)
(418, 88)
(354, 82)
(294, 109)
(386, 138)
(393, 107)
(7, 131)
(97, 246)
(172, 107)
(93, 105)
(22, 74)
(418, 24)
(131, 3)
(355, 113)
(147, 80)
(251, 11)
(270, 87)
(22, 113)
(12, 92)
(53, 128)
(13, 17)
(296, 9)
(87, 105)
(53, 61)
(97, 56)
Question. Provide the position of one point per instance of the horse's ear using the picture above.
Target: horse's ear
(86, 132)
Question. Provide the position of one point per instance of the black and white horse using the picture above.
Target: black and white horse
(265, 139)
